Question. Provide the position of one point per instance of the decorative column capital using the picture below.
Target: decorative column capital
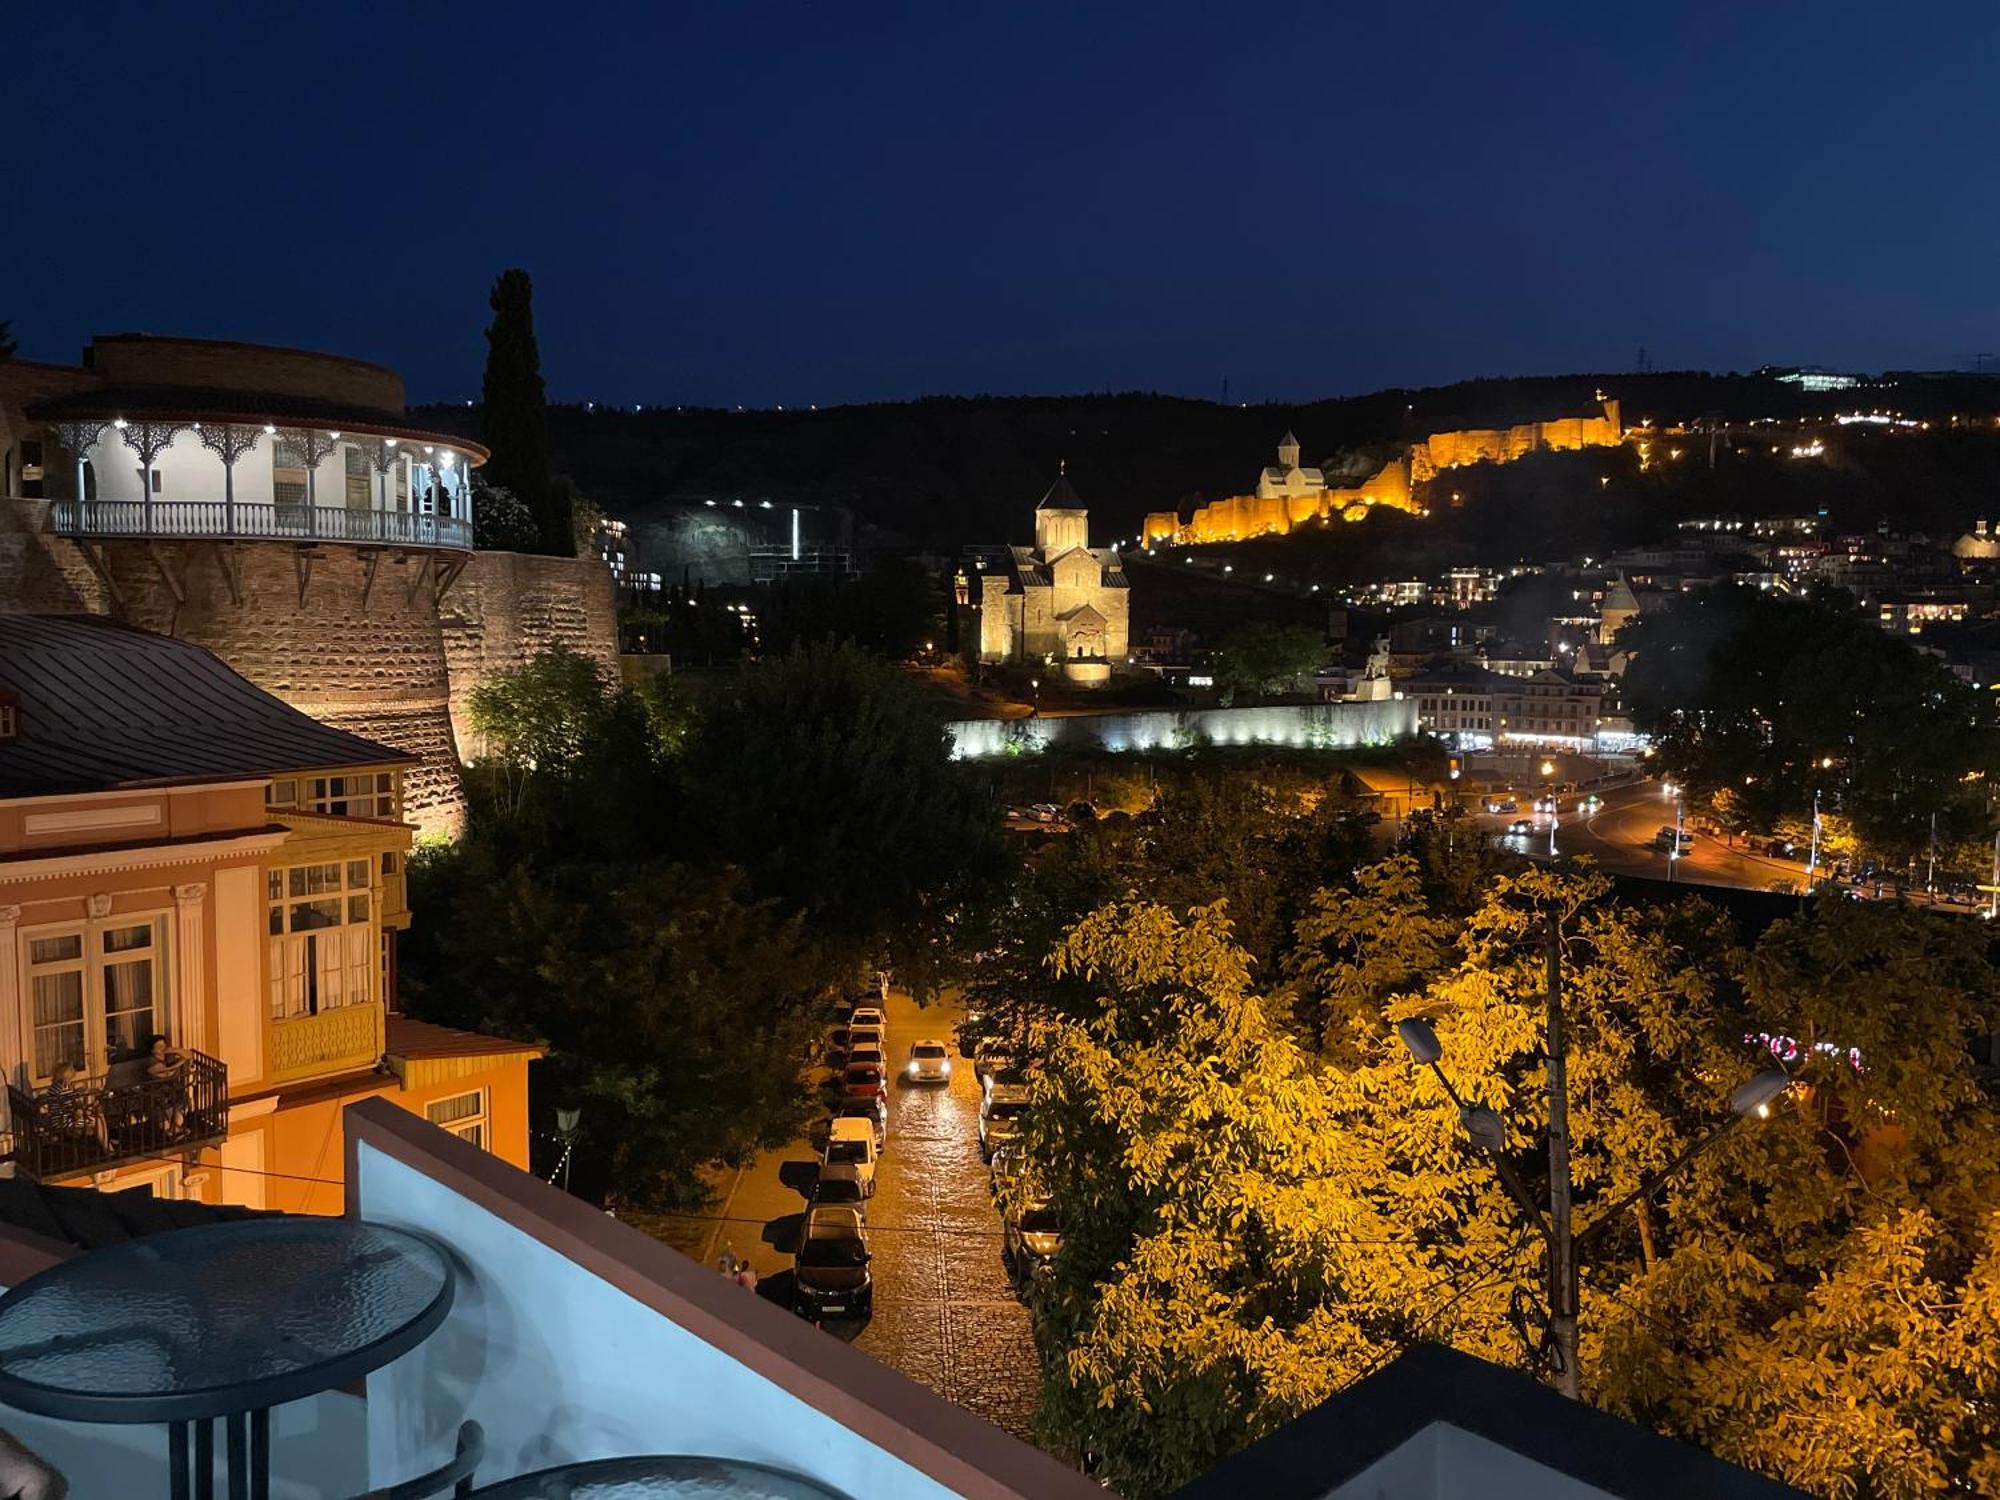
(383, 453)
(190, 895)
(9, 915)
(312, 443)
(228, 441)
(77, 438)
(98, 905)
(148, 439)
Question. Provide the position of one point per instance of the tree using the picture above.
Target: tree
(515, 416)
(676, 1008)
(500, 522)
(1261, 659)
(1776, 701)
(827, 778)
(1246, 1231)
(8, 348)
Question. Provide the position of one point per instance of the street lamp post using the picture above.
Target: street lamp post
(1483, 1126)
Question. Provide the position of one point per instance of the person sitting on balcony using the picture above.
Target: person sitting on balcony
(166, 1069)
(70, 1113)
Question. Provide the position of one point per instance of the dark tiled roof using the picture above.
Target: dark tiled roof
(411, 1038)
(104, 706)
(186, 403)
(1316, 1453)
(90, 1220)
(1061, 496)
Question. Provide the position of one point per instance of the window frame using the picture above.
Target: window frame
(480, 1120)
(302, 974)
(94, 964)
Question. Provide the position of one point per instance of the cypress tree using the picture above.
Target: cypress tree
(515, 418)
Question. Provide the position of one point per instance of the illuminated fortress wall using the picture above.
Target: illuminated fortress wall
(1394, 485)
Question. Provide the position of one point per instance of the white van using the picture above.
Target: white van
(850, 1153)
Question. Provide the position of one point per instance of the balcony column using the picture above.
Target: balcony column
(149, 440)
(313, 447)
(385, 455)
(77, 439)
(191, 969)
(12, 1043)
(228, 442)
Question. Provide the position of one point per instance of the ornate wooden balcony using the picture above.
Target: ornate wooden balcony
(251, 521)
(125, 1116)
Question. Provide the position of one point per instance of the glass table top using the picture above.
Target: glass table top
(218, 1319)
(661, 1477)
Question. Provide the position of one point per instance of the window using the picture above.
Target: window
(358, 497)
(31, 468)
(358, 794)
(321, 928)
(96, 996)
(464, 1115)
(288, 472)
(401, 473)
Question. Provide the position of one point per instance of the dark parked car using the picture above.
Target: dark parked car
(830, 1273)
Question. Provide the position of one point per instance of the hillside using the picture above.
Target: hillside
(951, 470)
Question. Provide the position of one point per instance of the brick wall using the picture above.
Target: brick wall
(507, 607)
(41, 573)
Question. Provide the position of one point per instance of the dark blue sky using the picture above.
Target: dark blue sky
(735, 201)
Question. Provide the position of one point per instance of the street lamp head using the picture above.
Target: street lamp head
(1422, 1042)
(566, 1120)
(1753, 1099)
(1483, 1127)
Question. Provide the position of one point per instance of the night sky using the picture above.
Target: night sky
(742, 202)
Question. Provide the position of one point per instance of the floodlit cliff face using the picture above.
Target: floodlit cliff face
(1394, 485)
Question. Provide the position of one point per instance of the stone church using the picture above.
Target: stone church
(1060, 602)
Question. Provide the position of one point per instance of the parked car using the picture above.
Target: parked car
(1000, 1117)
(862, 1081)
(839, 1192)
(990, 1056)
(875, 1111)
(867, 1015)
(830, 1275)
(1030, 1238)
(1520, 825)
(930, 1062)
(1670, 838)
(870, 1055)
(1781, 849)
(1010, 1074)
(1006, 1167)
(868, 1035)
(850, 1152)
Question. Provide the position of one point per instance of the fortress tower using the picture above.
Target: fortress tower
(272, 505)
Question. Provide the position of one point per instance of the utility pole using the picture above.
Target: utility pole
(1812, 859)
(1563, 1286)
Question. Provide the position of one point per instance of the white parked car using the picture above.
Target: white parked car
(867, 1015)
(850, 1153)
(1000, 1117)
(930, 1062)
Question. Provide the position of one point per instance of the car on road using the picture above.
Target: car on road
(862, 1081)
(1030, 1238)
(1669, 839)
(1590, 803)
(1502, 805)
(875, 1111)
(1000, 1117)
(850, 1153)
(830, 1277)
(1520, 825)
(930, 1062)
(1548, 805)
(866, 1015)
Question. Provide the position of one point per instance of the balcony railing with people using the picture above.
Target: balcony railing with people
(247, 520)
(72, 1127)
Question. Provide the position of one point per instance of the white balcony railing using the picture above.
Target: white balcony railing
(244, 520)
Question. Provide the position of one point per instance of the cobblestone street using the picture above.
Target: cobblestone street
(945, 1313)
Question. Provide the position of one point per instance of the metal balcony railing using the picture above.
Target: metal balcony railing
(245, 520)
(121, 1117)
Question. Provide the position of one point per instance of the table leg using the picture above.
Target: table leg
(260, 1454)
(177, 1459)
(204, 1459)
(239, 1460)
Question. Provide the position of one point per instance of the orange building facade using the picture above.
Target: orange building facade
(184, 857)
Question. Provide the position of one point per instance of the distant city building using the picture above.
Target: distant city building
(1464, 587)
(1617, 609)
(1478, 706)
(1978, 544)
(1061, 601)
(1812, 378)
(1285, 480)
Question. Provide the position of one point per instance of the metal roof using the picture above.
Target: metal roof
(177, 403)
(104, 706)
